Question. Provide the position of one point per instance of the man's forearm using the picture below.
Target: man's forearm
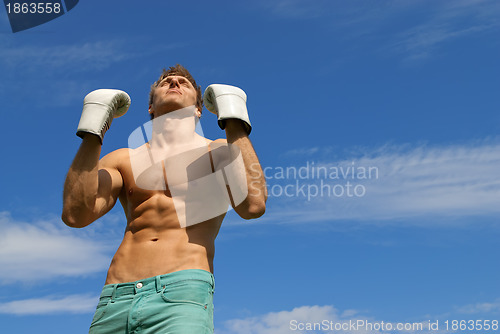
(81, 185)
(254, 204)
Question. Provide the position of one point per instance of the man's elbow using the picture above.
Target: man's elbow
(73, 221)
(253, 211)
(257, 211)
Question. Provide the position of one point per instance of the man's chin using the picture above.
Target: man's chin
(167, 108)
(176, 111)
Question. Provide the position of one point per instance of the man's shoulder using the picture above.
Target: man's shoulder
(219, 150)
(115, 158)
(213, 144)
(217, 141)
(117, 154)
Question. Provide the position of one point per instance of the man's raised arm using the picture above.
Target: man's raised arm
(92, 186)
(229, 104)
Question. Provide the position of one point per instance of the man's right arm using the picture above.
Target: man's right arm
(92, 186)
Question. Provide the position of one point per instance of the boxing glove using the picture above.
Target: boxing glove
(99, 109)
(227, 102)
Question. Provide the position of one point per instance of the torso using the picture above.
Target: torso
(154, 242)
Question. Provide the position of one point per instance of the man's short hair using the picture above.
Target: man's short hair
(180, 71)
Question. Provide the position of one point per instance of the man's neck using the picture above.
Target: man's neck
(175, 129)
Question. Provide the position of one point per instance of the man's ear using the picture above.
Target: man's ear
(150, 109)
(198, 112)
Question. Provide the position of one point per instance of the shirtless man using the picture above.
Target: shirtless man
(161, 278)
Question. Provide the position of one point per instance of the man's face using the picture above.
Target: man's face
(173, 92)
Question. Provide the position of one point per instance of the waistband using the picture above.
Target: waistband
(156, 283)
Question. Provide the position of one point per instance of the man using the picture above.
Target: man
(161, 277)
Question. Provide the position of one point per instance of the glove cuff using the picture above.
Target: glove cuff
(234, 107)
(95, 120)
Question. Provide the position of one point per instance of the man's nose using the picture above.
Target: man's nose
(174, 82)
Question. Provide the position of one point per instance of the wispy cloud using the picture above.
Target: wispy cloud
(280, 322)
(448, 21)
(42, 250)
(328, 319)
(75, 57)
(50, 305)
(438, 22)
(420, 42)
(310, 319)
(404, 183)
(303, 151)
(480, 308)
(82, 57)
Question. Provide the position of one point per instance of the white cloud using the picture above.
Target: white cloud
(433, 22)
(50, 305)
(280, 322)
(420, 182)
(328, 319)
(420, 42)
(73, 57)
(30, 252)
(485, 307)
(313, 319)
(448, 21)
(303, 151)
(96, 55)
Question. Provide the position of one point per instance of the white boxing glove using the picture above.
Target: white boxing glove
(99, 109)
(227, 102)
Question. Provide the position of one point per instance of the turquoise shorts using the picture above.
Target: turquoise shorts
(179, 303)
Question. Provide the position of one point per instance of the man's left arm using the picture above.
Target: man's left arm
(254, 205)
(229, 104)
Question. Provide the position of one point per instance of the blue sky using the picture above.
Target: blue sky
(408, 88)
